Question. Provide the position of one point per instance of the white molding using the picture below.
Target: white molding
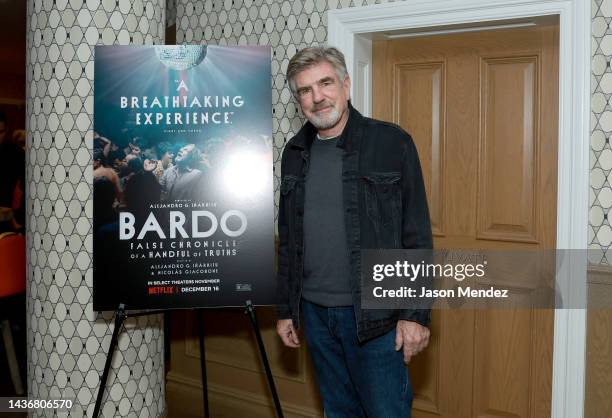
(362, 75)
(347, 28)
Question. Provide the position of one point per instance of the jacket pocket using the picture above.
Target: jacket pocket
(288, 184)
(288, 201)
(287, 214)
(383, 203)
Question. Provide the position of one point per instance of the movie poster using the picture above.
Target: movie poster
(182, 177)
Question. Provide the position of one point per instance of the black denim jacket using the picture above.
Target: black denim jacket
(385, 206)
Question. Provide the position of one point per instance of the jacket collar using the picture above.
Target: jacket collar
(306, 135)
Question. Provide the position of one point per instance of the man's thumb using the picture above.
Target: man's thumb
(398, 341)
(294, 336)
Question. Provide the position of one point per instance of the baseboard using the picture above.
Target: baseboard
(184, 399)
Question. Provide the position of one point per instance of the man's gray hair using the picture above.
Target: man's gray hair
(310, 56)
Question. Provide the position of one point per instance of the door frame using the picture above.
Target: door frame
(350, 29)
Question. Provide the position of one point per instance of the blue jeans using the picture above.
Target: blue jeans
(355, 380)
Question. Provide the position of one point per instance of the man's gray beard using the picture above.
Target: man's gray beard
(326, 122)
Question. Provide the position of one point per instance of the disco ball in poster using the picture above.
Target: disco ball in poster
(182, 177)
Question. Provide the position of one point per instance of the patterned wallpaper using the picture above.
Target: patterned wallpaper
(67, 341)
(170, 12)
(600, 196)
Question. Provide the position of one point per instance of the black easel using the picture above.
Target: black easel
(200, 316)
(120, 317)
(250, 311)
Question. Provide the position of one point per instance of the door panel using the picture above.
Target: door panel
(507, 204)
(425, 81)
(482, 110)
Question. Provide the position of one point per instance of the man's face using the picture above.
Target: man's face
(119, 164)
(135, 150)
(322, 96)
(183, 153)
(3, 131)
(167, 157)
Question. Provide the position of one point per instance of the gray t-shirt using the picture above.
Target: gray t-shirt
(326, 258)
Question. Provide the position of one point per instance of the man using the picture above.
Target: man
(347, 183)
(184, 180)
(164, 149)
(141, 188)
(99, 170)
(134, 147)
(103, 144)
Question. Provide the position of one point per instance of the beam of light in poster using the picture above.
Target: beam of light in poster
(182, 179)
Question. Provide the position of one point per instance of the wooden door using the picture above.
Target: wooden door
(482, 109)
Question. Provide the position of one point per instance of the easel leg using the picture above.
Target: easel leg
(200, 316)
(120, 317)
(250, 311)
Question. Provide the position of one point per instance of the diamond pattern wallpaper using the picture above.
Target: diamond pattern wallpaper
(600, 196)
(67, 341)
(170, 12)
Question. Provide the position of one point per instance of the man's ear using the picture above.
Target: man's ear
(298, 106)
(346, 84)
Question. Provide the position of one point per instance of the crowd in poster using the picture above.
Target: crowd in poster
(182, 159)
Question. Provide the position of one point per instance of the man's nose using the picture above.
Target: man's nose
(317, 95)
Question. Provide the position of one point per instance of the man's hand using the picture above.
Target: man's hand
(412, 336)
(285, 329)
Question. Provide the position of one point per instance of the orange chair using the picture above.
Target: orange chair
(12, 282)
